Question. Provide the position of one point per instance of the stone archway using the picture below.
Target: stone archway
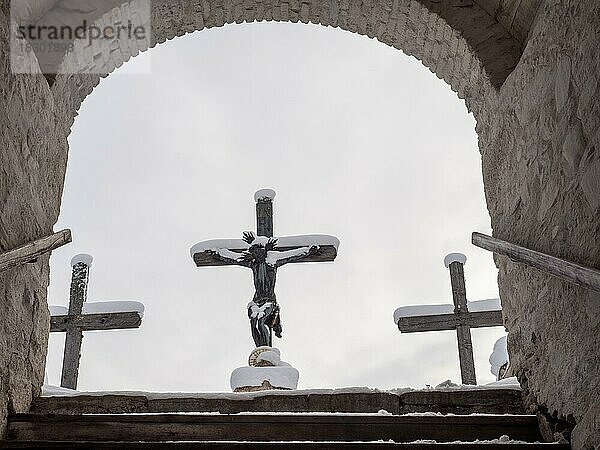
(473, 60)
(531, 84)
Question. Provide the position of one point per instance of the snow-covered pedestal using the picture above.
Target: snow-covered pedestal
(265, 371)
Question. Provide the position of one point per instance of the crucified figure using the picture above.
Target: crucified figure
(264, 259)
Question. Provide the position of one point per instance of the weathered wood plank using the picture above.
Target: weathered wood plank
(91, 322)
(268, 427)
(32, 250)
(273, 445)
(583, 276)
(490, 401)
(463, 331)
(327, 253)
(264, 217)
(440, 322)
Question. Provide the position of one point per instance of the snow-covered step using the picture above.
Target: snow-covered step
(281, 445)
(271, 427)
(349, 400)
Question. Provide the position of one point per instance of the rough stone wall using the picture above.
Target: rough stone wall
(32, 163)
(541, 153)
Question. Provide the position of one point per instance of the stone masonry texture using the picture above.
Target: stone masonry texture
(528, 70)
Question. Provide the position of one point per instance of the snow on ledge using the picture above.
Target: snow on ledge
(490, 304)
(284, 241)
(54, 391)
(264, 194)
(82, 258)
(454, 257)
(121, 306)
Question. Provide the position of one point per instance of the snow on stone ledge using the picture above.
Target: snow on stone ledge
(121, 306)
(57, 391)
(264, 193)
(491, 304)
(281, 377)
(284, 241)
(82, 258)
(54, 391)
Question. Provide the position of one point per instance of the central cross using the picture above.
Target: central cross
(264, 254)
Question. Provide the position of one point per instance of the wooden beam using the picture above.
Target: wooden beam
(463, 331)
(268, 427)
(92, 322)
(440, 322)
(326, 253)
(583, 276)
(264, 217)
(32, 250)
(74, 336)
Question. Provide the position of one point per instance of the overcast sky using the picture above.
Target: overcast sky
(358, 140)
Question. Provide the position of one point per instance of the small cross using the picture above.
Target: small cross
(485, 313)
(82, 316)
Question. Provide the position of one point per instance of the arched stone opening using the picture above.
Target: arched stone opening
(538, 137)
(421, 90)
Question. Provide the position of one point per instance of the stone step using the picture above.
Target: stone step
(91, 445)
(270, 427)
(492, 401)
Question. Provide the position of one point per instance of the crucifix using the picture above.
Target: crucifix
(484, 313)
(264, 254)
(82, 316)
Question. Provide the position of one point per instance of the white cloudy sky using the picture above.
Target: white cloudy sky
(359, 141)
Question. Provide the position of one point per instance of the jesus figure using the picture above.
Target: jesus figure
(264, 259)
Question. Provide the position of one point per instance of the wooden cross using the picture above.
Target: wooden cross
(414, 319)
(263, 256)
(83, 316)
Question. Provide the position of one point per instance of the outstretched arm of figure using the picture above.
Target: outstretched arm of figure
(296, 255)
(227, 256)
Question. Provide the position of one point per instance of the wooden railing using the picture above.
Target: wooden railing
(32, 250)
(583, 276)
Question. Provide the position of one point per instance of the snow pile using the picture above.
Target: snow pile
(279, 377)
(82, 258)
(121, 306)
(265, 365)
(270, 358)
(454, 257)
(499, 356)
(504, 439)
(264, 194)
(284, 241)
(56, 391)
(56, 310)
(491, 304)
(506, 383)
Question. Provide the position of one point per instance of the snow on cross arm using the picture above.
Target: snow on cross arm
(492, 304)
(284, 241)
(122, 306)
